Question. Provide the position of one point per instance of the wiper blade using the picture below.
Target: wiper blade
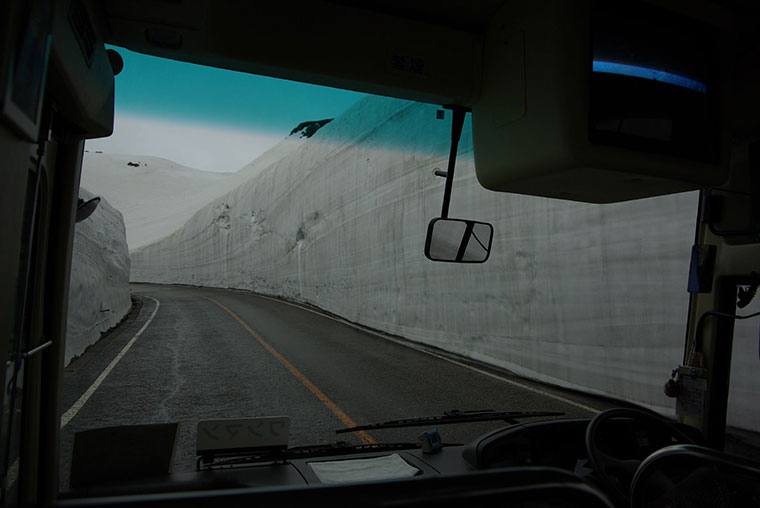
(454, 416)
(301, 452)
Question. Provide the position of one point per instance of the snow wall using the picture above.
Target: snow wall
(99, 288)
(591, 297)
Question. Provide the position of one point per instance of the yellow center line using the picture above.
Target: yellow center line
(332, 406)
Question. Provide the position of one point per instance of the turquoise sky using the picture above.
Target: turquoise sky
(207, 118)
(157, 87)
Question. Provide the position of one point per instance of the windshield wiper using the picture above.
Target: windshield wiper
(301, 452)
(454, 416)
(242, 457)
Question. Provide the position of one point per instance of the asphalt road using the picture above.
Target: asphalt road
(202, 353)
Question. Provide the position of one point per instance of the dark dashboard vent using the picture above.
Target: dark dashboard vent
(80, 24)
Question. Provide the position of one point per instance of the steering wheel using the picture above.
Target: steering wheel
(652, 432)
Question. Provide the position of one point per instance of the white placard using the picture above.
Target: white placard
(358, 470)
(691, 399)
(243, 433)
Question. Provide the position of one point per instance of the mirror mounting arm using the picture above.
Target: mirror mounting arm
(456, 132)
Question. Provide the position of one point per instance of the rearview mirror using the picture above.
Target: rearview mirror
(86, 208)
(458, 240)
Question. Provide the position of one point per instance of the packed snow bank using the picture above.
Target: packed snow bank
(99, 288)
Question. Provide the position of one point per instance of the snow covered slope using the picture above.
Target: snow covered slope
(99, 289)
(585, 296)
(156, 195)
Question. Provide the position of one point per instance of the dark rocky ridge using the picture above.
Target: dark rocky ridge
(307, 129)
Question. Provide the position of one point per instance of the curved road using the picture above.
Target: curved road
(200, 353)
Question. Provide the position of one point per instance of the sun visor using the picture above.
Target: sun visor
(601, 102)
(80, 79)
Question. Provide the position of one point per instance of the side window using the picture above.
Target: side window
(15, 371)
(743, 419)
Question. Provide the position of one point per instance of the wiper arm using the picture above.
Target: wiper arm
(301, 452)
(454, 416)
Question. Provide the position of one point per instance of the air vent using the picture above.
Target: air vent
(80, 24)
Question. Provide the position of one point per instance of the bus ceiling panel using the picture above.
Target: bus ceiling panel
(471, 16)
(184, 14)
(321, 42)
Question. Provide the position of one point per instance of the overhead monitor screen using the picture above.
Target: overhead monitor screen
(654, 81)
(649, 73)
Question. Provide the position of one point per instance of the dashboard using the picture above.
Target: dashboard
(535, 459)
(556, 444)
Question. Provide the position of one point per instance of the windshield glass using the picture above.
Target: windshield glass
(259, 251)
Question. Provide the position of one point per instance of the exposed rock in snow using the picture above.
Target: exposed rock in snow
(222, 219)
(99, 288)
(307, 129)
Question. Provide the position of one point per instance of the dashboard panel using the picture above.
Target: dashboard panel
(555, 443)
